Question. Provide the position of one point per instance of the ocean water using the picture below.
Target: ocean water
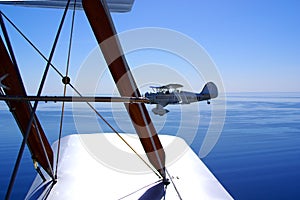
(256, 157)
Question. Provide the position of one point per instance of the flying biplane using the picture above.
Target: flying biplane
(171, 94)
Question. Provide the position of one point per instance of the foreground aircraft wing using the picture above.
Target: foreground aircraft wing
(113, 5)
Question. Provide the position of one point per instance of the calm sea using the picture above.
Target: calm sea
(257, 155)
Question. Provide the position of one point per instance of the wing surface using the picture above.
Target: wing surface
(113, 5)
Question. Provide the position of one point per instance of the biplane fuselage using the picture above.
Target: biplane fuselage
(176, 97)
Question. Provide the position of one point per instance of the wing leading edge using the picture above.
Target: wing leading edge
(113, 5)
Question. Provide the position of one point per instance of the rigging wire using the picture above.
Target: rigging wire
(20, 154)
(66, 80)
(132, 193)
(165, 188)
(16, 167)
(179, 196)
(13, 58)
(30, 43)
(42, 144)
(119, 135)
(62, 76)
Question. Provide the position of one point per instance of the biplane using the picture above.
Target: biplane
(171, 94)
(68, 168)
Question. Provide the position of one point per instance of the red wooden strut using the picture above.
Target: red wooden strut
(103, 28)
(21, 111)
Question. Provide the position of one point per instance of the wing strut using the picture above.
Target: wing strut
(103, 28)
(22, 111)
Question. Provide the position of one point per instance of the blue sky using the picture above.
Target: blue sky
(254, 44)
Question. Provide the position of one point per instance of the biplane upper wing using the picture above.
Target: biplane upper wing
(169, 86)
(157, 87)
(173, 86)
(113, 5)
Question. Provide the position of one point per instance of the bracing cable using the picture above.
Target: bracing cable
(22, 147)
(30, 43)
(132, 193)
(119, 135)
(178, 194)
(66, 80)
(12, 55)
(62, 76)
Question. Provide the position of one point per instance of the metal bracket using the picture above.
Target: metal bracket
(1, 84)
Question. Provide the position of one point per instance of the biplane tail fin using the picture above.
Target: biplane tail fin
(209, 91)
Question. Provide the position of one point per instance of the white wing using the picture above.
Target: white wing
(113, 5)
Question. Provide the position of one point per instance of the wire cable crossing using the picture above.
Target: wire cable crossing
(65, 79)
(79, 98)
